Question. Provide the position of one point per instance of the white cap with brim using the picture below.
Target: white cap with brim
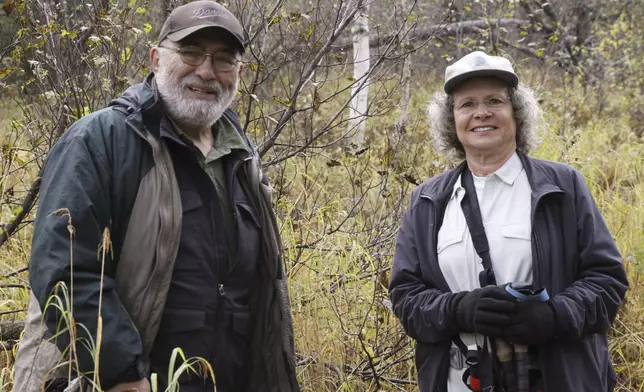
(479, 64)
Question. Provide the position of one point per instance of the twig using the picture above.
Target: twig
(27, 205)
(13, 286)
(16, 272)
(329, 365)
(365, 375)
(12, 311)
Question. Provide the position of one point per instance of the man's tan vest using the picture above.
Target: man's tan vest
(143, 274)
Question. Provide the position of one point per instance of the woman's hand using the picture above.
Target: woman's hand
(488, 310)
(533, 323)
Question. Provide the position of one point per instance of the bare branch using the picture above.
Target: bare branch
(16, 272)
(435, 31)
(291, 110)
(27, 205)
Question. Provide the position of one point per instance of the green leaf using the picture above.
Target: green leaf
(309, 32)
(275, 20)
(131, 3)
(126, 55)
(411, 17)
(467, 8)
(540, 53)
(71, 34)
(253, 67)
(141, 11)
(281, 101)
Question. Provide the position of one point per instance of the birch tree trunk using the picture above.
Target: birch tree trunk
(360, 89)
(406, 81)
(406, 95)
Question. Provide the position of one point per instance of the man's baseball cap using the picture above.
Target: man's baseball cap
(192, 17)
(479, 64)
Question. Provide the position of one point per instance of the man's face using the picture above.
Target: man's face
(195, 95)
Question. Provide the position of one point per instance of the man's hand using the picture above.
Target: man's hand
(142, 385)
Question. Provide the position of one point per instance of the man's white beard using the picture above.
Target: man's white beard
(188, 111)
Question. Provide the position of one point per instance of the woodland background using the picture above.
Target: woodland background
(334, 94)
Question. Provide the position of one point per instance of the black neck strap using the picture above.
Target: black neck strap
(473, 217)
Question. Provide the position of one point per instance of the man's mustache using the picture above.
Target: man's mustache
(214, 85)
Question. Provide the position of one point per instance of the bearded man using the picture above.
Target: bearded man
(194, 260)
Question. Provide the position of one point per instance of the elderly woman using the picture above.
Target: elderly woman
(504, 272)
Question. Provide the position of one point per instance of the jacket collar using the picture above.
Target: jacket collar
(143, 106)
(540, 180)
(151, 106)
(507, 173)
(441, 188)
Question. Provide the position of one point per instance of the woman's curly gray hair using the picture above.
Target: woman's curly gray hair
(442, 127)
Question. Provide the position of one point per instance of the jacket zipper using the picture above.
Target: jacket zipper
(221, 287)
(537, 278)
(232, 203)
(434, 228)
(435, 237)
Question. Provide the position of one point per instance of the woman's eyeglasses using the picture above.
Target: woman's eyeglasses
(469, 106)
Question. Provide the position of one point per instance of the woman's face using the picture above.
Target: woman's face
(484, 117)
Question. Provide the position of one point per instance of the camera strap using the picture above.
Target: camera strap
(474, 219)
(479, 375)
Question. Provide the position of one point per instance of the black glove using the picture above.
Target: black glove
(488, 310)
(533, 323)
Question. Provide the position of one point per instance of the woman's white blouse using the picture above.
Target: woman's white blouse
(504, 199)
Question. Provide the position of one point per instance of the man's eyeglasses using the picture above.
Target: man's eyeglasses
(469, 106)
(195, 56)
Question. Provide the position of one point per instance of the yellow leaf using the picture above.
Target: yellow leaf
(273, 21)
(309, 32)
(4, 72)
(126, 55)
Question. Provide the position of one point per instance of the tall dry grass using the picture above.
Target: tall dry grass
(339, 208)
